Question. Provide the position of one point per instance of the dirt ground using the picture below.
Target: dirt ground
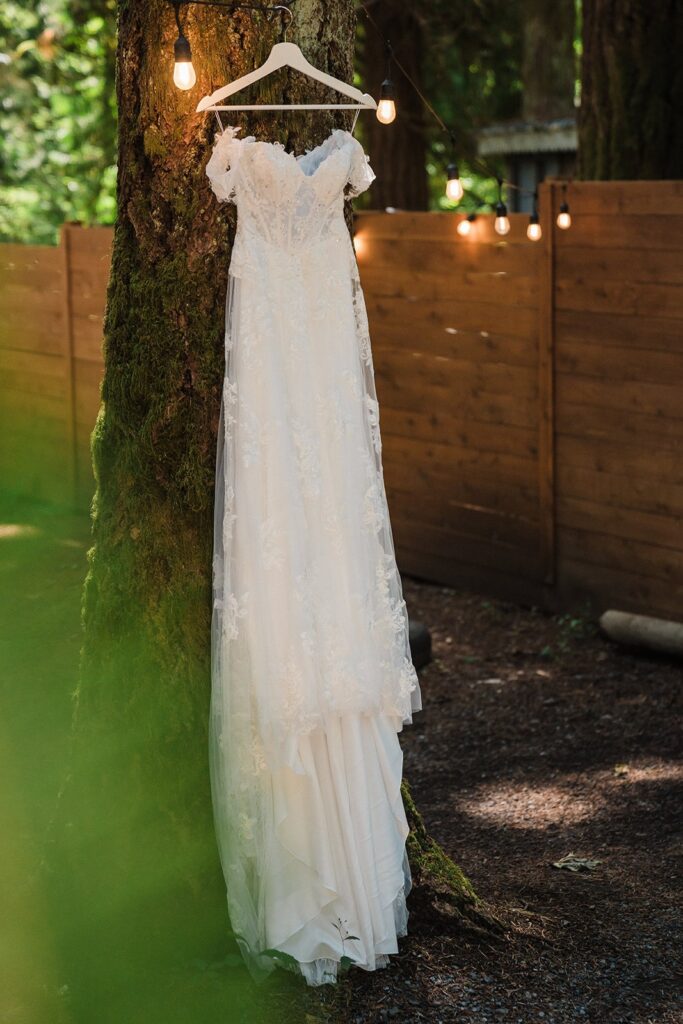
(539, 738)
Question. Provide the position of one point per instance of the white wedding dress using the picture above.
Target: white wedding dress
(312, 677)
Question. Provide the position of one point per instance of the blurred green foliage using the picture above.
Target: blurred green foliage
(58, 102)
(472, 78)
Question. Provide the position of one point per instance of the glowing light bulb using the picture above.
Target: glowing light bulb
(501, 223)
(465, 226)
(359, 245)
(184, 76)
(386, 108)
(533, 231)
(454, 189)
(564, 219)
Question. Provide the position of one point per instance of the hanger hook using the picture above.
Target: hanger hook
(285, 25)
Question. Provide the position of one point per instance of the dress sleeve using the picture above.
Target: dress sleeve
(221, 167)
(361, 174)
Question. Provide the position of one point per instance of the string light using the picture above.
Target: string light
(465, 226)
(534, 231)
(564, 219)
(184, 75)
(504, 226)
(501, 223)
(386, 108)
(454, 189)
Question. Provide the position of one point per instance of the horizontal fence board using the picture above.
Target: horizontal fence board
(484, 489)
(467, 432)
(626, 198)
(637, 460)
(636, 556)
(593, 266)
(464, 548)
(619, 331)
(455, 314)
(637, 364)
(479, 347)
(437, 568)
(616, 587)
(611, 424)
(443, 511)
(440, 372)
(628, 523)
(629, 396)
(427, 286)
(20, 407)
(443, 227)
(661, 231)
(454, 257)
(615, 489)
(630, 297)
(30, 330)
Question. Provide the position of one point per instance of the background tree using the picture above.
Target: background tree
(136, 847)
(548, 72)
(630, 122)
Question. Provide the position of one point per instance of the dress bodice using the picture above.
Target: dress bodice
(285, 201)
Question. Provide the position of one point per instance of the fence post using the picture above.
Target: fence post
(546, 382)
(69, 381)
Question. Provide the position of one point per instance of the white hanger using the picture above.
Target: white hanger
(288, 55)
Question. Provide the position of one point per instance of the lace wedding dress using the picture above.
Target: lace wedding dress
(312, 677)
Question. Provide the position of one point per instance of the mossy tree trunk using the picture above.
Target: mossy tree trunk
(630, 124)
(140, 845)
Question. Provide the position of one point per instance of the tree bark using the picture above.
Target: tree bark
(398, 151)
(632, 90)
(548, 59)
(137, 852)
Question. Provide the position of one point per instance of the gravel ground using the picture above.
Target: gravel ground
(538, 738)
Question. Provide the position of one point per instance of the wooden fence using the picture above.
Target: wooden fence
(531, 394)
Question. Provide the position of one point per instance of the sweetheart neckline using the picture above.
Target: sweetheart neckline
(279, 148)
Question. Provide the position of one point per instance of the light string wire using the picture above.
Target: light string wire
(475, 162)
(270, 9)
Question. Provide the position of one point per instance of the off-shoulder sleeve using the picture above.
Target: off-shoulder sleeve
(361, 174)
(221, 167)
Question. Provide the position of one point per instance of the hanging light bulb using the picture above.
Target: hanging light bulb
(564, 219)
(501, 223)
(184, 75)
(386, 108)
(533, 231)
(454, 189)
(465, 226)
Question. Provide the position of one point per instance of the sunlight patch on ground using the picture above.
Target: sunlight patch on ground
(10, 531)
(530, 806)
(536, 806)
